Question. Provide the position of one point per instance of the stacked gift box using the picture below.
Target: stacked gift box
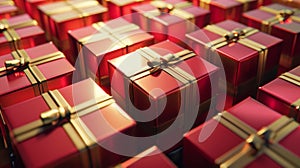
(216, 82)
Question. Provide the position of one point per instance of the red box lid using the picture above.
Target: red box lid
(208, 139)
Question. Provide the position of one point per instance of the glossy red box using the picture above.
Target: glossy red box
(282, 94)
(208, 144)
(60, 17)
(284, 26)
(170, 19)
(36, 77)
(290, 3)
(31, 7)
(8, 9)
(259, 3)
(19, 32)
(118, 8)
(158, 96)
(97, 118)
(242, 61)
(107, 40)
(227, 9)
(150, 158)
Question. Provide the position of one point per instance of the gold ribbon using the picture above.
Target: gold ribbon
(264, 141)
(293, 79)
(176, 10)
(167, 63)
(73, 6)
(10, 33)
(205, 4)
(111, 33)
(22, 62)
(280, 16)
(7, 2)
(62, 114)
(240, 36)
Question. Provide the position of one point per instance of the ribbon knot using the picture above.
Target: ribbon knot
(16, 64)
(285, 14)
(55, 116)
(234, 35)
(263, 137)
(2, 27)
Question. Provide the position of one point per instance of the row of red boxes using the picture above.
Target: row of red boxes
(250, 59)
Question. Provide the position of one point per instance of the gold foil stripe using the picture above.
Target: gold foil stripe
(283, 127)
(19, 25)
(30, 77)
(121, 29)
(13, 34)
(205, 4)
(27, 131)
(4, 24)
(84, 132)
(47, 58)
(216, 29)
(49, 101)
(70, 6)
(10, 3)
(59, 99)
(99, 105)
(289, 77)
(74, 136)
(37, 74)
(182, 14)
(296, 105)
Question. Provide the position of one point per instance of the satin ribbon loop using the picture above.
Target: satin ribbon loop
(16, 64)
(285, 14)
(234, 35)
(55, 116)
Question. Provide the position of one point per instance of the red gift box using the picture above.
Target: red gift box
(280, 21)
(291, 3)
(170, 19)
(248, 135)
(71, 126)
(249, 57)
(8, 9)
(143, 88)
(150, 158)
(60, 17)
(30, 72)
(227, 9)
(31, 7)
(259, 2)
(19, 32)
(282, 94)
(105, 41)
(118, 8)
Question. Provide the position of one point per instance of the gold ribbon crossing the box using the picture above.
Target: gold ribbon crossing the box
(21, 62)
(280, 16)
(264, 141)
(240, 36)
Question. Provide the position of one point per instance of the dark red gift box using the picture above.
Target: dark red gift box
(30, 72)
(150, 158)
(118, 8)
(282, 94)
(31, 7)
(280, 21)
(19, 32)
(226, 9)
(71, 126)
(60, 17)
(8, 9)
(249, 57)
(247, 135)
(143, 90)
(104, 41)
(170, 19)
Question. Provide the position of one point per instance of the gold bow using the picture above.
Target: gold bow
(240, 36)
(280, 16)
(264, 141)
